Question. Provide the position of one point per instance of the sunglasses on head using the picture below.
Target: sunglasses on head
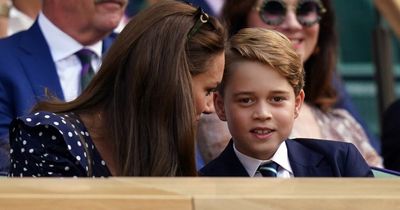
(308, 12)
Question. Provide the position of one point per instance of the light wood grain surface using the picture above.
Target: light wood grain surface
(200, 193)
(390, 10)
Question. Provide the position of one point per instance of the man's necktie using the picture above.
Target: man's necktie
(87, 72)
(269, 169)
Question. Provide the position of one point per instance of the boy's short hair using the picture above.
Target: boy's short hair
(268, 47)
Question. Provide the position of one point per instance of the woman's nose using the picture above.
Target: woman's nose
(209, 106)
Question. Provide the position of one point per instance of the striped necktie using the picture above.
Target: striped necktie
(87, 72)
(269, 169)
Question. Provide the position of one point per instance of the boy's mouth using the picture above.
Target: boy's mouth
(119, 2)
(261, 131)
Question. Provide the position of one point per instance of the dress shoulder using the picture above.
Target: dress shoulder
(49, 144)
(339, 125)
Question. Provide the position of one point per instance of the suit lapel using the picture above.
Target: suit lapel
(37, 62)
(107, 42)
(228, 164)
(234, 165)
(306, 162)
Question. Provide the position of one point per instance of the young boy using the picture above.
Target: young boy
(260, 96)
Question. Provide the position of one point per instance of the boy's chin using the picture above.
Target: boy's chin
(260, 154)
(263, 151)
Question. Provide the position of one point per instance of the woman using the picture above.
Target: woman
(138, 115)
(309, 24)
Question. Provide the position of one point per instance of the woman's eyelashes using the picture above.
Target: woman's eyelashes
(211, 90)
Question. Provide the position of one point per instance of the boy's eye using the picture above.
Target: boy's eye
(278, 99)
(245, 100)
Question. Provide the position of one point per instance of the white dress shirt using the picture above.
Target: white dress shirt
(280, 157)
(62, 49)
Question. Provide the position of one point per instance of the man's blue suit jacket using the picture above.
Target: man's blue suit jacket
(307, 157)
(26, 69)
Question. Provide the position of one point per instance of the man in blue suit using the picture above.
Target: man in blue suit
(42, 59)
(260, 96)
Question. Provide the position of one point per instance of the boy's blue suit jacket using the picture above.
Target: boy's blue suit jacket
(307, 157)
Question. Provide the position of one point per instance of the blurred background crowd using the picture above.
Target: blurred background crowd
(367, 61)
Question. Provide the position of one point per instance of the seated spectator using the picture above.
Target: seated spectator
(138, 115)
(60, 53)
(260, 96)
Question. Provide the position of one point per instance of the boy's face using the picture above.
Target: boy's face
(260, 106)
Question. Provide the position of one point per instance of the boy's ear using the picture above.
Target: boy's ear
(299, 100)
(219, 106)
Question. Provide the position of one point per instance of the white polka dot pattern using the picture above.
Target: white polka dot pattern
(47, 144)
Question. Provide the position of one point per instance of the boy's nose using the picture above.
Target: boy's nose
(262, 112)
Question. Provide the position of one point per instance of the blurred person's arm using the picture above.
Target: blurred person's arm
(30, 8)
(4, 14)
(345, 102)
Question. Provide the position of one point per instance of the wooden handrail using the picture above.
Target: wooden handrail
(200, 193)
(390, 9)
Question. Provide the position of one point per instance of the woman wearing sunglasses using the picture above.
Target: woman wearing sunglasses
(309, 24)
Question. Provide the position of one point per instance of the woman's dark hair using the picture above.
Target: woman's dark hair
(320, 67)
(143, 90)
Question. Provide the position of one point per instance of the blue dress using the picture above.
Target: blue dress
(46, 144)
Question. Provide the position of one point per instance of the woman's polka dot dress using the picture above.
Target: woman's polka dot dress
(47, 144)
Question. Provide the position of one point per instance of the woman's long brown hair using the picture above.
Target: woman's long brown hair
(143, 90)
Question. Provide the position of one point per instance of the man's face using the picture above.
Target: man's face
(94, 15)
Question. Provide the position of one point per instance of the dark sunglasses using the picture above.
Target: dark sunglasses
(308, 12)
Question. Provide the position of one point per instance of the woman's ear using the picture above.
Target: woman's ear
(219, 106)
(299, 100)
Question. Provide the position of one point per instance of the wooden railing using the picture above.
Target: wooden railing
(390, 9)
(200, 193)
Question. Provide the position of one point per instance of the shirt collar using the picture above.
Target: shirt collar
(251, 164)
(61, 44)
